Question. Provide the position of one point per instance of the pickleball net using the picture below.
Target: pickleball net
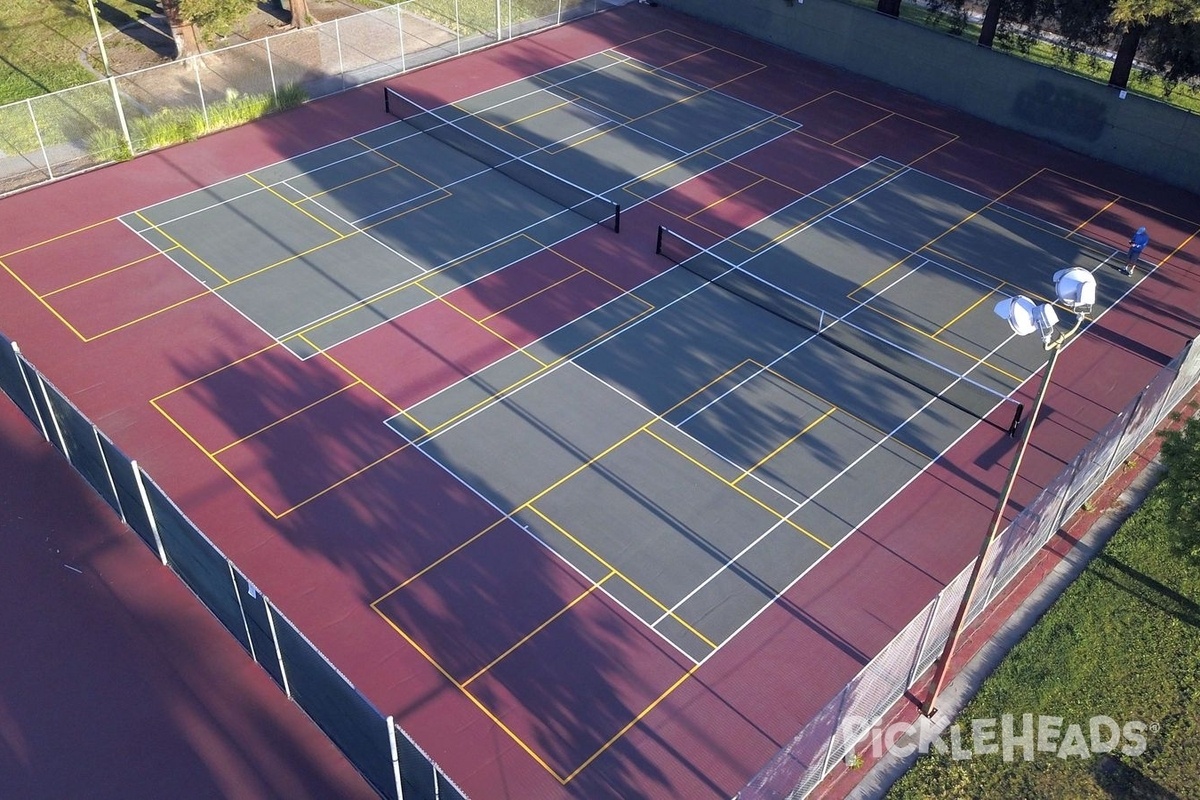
(588, 204)
(936, 380)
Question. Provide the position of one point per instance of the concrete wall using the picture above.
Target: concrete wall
(1142, 135)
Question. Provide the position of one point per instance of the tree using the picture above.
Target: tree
(183, 30)
(1135, 18)
(1181, 485)
(300, 15)
(889, 7)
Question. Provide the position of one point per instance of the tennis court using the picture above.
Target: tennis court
(540, 399)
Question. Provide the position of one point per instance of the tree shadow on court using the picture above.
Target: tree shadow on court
(379, 528)
(386, 521)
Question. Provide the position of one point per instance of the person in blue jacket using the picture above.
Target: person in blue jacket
(1137, 243)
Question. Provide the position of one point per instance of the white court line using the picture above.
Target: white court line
(366, 149)
(510, 516)
(606, 337)
(817, 493)
(775, 361)
(925, 469)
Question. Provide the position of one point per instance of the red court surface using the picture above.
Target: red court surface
(115, 682)
(520, 680)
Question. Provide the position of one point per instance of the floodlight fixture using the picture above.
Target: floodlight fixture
(1076, 289)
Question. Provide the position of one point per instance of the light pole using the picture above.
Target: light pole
(1076, 289)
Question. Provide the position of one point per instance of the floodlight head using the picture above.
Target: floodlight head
(1026, 317)
(1076, 289)
(1020, 313)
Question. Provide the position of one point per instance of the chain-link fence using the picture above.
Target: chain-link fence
(58, 134)
(797, 769)
(385, 755)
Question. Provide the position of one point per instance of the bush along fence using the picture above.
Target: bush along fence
(59, 134)
(385, 755)
(832, 734)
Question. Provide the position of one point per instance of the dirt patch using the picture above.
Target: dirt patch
(147, 42)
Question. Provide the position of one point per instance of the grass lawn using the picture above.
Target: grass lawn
(1123, 641)
(42, 43)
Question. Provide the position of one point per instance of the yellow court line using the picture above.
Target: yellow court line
(624, 292)
(178, 244)
(996, 279)
(145, 317)
(59, 236)
(929, 244)
(966, 311)
(1180, 246)
(296, 206)
(519, 120)
(437, 561)
(708, 385)
(280, 262)
(478, 704)
(780, 376)
(738, 489)
(282, 419)
(614, 571)
(973, 356)
(517, 384)
(702, 90)
(691, 671)
(410, 283)
(546, 288)
(359, 380)
(1099, 211)
(720, 200)
(213, 459)
(352, 374)
(340, 482)
(369, 175)
(953, 136)
(786, 444)
(42, 300)
(517, 348)
(1119, 197)
(89, 279)
(212, 372)
(537, 630)
(871, 124)
(829, 210)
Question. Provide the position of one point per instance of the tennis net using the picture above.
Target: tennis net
(939, 381)
(575, 198)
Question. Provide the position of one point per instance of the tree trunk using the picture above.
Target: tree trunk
(183, 31)
(991, 21)
(889, 7)
(300, 16)
(1123, 63)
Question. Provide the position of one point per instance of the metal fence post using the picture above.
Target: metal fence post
(391, 723)
(112, 484)
(137, 478)
(21, 362)
(287, 689)
(53, 417)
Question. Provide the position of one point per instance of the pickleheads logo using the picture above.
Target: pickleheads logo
(1009, 736)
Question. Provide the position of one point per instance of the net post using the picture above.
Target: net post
(387, 100)
(1016, 423)
(658, 245)
(617, 218)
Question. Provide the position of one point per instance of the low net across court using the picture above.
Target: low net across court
(934, 379)
(588, 204)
